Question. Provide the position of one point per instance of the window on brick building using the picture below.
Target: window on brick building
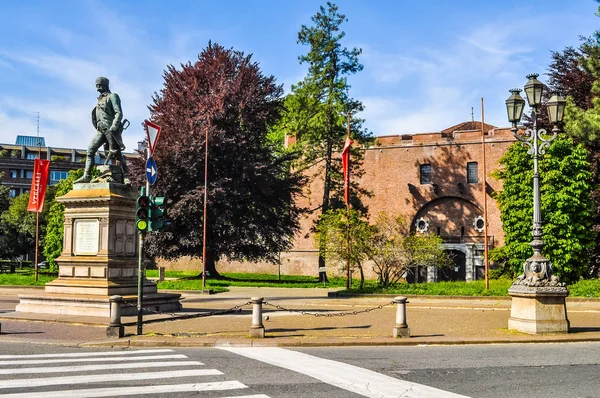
(13, 173)
(472, 173)
(425, 173)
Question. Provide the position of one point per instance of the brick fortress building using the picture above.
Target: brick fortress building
(436, 181)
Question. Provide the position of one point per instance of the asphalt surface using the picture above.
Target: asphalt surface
(297, 318)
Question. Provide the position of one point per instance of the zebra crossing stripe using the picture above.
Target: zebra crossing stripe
(101, 359)
(250, 396)
(140, 390)
(351, 378)
(99, 378)
(87, 354)
(87, 368)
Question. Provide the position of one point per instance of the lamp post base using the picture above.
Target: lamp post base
(538, 309)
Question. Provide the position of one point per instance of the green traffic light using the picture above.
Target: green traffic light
(142, 225)
(142, 211)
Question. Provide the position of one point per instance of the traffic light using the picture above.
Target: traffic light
(157, 214)
(142, 211)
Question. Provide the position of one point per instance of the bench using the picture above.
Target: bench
(8, 267)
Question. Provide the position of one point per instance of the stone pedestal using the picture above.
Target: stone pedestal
(99, 258)
(538, 309)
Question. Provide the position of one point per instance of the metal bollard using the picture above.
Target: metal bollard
(257, 329)
(115, 327)
(401, 328)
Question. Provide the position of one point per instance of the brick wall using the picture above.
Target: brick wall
(450, 204)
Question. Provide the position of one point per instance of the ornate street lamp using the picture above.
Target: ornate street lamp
(537, 269)
(537, 296)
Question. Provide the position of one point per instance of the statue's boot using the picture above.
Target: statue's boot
(89, 163)
(124, 169)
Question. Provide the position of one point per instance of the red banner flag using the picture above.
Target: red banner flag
(346, 167)
(41, 168)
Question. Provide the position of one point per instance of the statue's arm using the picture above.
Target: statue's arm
(115, 101)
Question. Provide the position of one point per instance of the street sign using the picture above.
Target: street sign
(152, 131)
(151, 171)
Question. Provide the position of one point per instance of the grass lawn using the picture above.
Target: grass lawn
(498, 287)
(192, 281)
(26, 277)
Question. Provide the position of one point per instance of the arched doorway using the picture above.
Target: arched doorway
(457, 272)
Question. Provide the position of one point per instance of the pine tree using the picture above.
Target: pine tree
(317, 109)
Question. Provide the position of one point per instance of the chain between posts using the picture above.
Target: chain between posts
(175, 316)
(236, 308)
(329, 314)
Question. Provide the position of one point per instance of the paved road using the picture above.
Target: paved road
(530, 370)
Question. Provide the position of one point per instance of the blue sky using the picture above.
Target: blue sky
(426, 63)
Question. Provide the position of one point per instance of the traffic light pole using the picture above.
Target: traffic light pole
(140, 310)
(142, 234)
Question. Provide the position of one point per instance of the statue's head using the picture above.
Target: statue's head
(102, 85)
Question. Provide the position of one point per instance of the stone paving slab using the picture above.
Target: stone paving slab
(432, 320)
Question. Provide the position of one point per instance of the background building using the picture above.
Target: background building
(16, 162)
(436, 181)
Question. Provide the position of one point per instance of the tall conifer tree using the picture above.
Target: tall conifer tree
(317, 108)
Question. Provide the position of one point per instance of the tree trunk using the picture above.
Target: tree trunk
(325, 205)
(211, 268)
(362, 277)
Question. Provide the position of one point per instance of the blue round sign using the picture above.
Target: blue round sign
(151, 171)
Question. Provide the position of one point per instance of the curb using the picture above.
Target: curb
(218, 343)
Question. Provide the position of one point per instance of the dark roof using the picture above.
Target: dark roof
(467, 126)
(28, 140)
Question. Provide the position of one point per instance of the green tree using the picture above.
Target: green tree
(317, 109)
(17, 234)
(394, 251)
(53, 240)
(565, 183)
(386, 249)
(345, 237)
(582, 119)
(224, 98)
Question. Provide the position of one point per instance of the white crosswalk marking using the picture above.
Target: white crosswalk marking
(111, 374)
(352, 378)
(87, 368)
(123, 391)
(86, 354)
(62, 380)
(103, 359)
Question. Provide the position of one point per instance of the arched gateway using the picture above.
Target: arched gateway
(459, 222)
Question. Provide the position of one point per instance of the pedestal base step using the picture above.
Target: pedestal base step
(92, 305)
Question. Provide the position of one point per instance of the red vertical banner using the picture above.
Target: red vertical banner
(346, 167)
(41, 169)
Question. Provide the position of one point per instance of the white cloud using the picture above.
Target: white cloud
(430, 88)
(132, 64)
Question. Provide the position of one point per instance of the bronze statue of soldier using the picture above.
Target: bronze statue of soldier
(107, 118)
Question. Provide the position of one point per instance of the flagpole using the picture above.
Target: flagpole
(485, 221)
(348, 283)
(204, 211)
(37, 213)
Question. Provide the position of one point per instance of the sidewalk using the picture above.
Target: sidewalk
(432, 320)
